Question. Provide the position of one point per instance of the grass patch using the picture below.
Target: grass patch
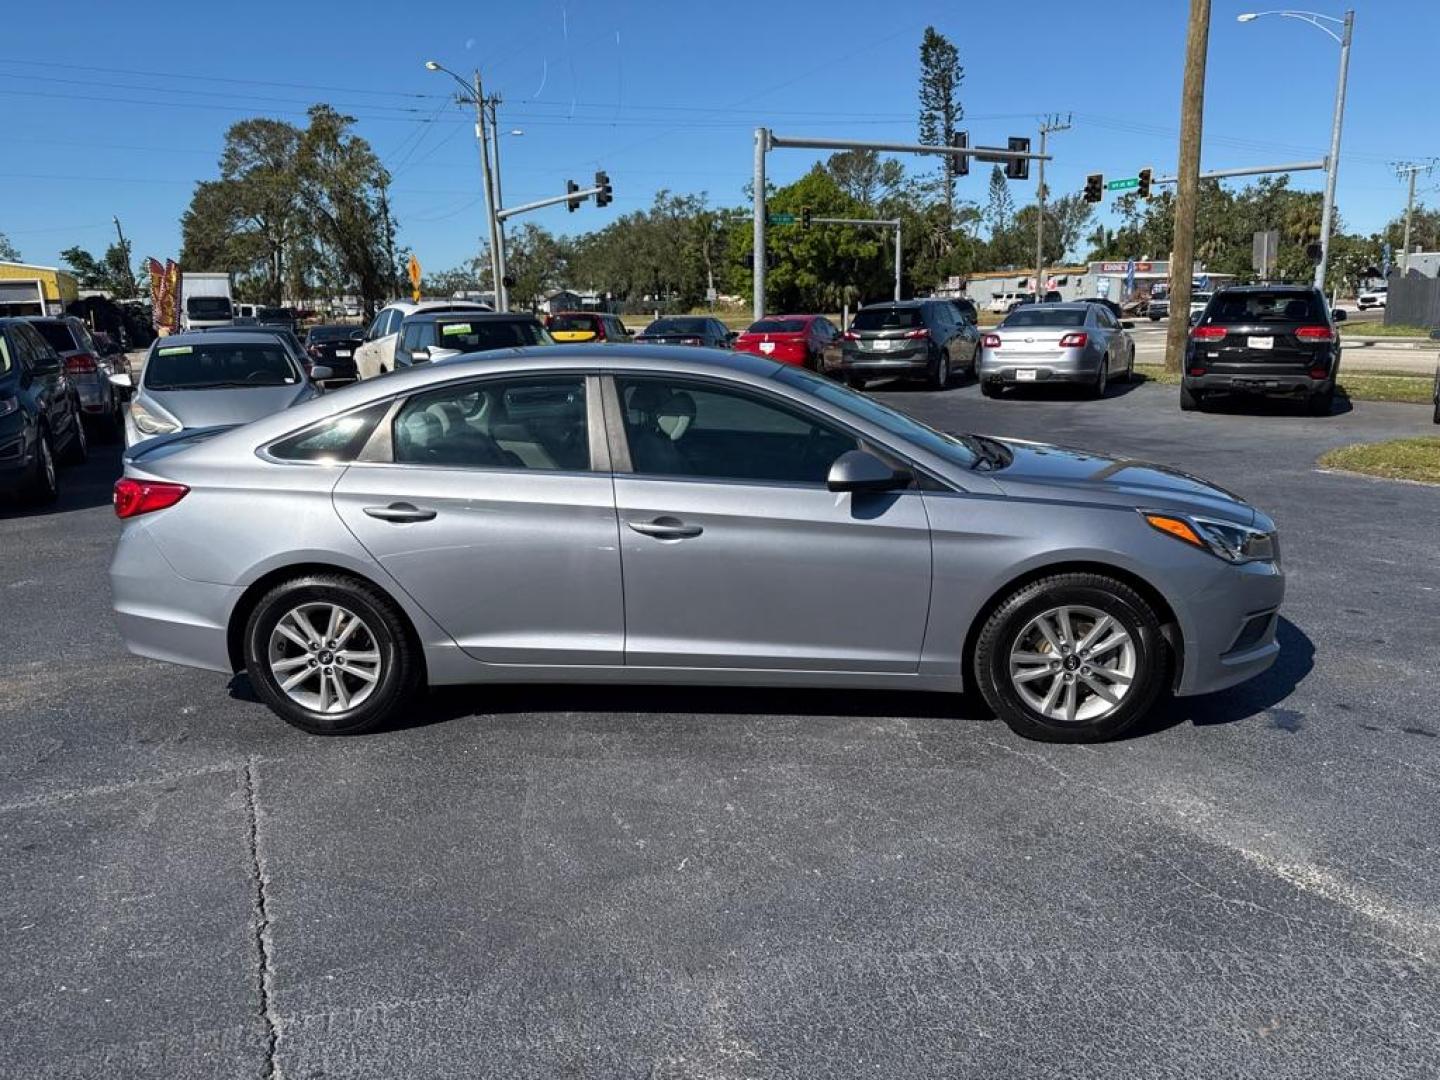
(1369, 329)
(1361, 386)
(1398, 459)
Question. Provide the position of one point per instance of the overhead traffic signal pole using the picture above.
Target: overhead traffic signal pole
(766, 140)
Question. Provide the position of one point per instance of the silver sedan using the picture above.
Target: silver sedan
(1079, 344)
(677, 515)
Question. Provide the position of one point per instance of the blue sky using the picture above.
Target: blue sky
(665, 95)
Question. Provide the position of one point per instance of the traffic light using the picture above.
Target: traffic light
(804, 217)
(1144, 189)
(1094, 186)
(960, 163)
(570, 188)
(605, 196)
(1018, 168)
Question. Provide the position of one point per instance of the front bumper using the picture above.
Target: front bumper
(1229, 627)
(164, 616)
(14, 459)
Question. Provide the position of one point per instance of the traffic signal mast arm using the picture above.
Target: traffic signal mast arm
(578, 195)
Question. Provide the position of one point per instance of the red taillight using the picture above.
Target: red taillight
(915, 334)
(1314, 333)
(990, 341)
(850, 335)
(1207, 333)
(1074, 341)
(1319, 373)
(1197, 371)
(136, 497)
(80, 364)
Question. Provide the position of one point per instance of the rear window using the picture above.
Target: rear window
(209, 366)
(208, 307)
(778, 326)
(573, 323)
(905, 318)
(480, 336)
(677, 326)
(332, 333)
(1265, 307)
(1043, 316)
(56, 335)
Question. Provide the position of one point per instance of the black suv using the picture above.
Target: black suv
(925, 339)
(1276, 340)
(39, 415)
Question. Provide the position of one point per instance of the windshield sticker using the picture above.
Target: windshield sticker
(176, 350)
(452, 329)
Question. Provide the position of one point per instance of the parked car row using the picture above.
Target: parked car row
(41, 414)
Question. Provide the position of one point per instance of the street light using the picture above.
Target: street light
(1332, 163)
(472, 93)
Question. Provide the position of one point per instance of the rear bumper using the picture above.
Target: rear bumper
(1230, 629)
(164, 616)
(1296, 384)
(992, 369)
(913, 361)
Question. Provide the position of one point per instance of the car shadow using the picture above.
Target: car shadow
(1070, 392)
(1262, 694)
(82, 487)
(1258, 405)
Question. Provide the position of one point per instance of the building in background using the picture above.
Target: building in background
(26, 289)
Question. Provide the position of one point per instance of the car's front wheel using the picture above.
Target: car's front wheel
(42, 486)
(1071, 658)
(330, 654)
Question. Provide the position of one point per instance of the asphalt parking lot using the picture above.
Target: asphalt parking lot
(705, 883)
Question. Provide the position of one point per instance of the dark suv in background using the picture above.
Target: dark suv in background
(1275, 340)
(40, 425)
(925, 339)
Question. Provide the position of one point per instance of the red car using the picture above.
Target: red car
(804, 340)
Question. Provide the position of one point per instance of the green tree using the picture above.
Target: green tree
(940, 109)
(8, 251)
(999, 206)
(111, 273)
(864, 175)
(538, 261)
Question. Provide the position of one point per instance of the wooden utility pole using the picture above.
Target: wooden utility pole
(1053, 123)
(1187, 186)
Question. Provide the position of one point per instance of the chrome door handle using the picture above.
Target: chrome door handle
(666, 528)
(399, 513)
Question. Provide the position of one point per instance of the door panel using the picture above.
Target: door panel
(519, 566)
(783, 576)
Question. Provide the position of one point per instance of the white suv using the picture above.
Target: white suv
(1373, 298)
(377, 355)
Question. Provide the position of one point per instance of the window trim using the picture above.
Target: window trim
(921, 477)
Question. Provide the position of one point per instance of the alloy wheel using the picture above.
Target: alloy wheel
(324, 657)
(1073, 664)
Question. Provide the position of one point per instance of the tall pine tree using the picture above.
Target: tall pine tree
(940, 109)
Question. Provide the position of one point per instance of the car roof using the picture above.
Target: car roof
(898, 304)
(472, 316)
(219, 336)
(1283, 287)
(409, 307)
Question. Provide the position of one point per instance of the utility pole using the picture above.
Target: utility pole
(392, 277)
(1327, 213)
(762, 147)
(1412, 168)
(130, 270)
(1187, 187)
(1053, 123)
(492, 198)
(503, 297)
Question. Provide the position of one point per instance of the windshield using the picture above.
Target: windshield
(676, 326)
(867, 408)
(481, 336)
(887, 318)
(1043, 316)
(573, 323)
(208, 307)
(1266, 307)
(332, 333)
(56, 335)
(777, 326)
(208, 366)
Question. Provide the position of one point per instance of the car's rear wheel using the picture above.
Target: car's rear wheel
(990, 389)
(940, 371)
(1321, 403)
(855, 382)
(1189, 399)
(1102, 380)
(1071, 658)
(42, 486)
(330, 655)
(77, 449)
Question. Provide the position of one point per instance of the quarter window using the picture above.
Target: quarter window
(335, 439)
(691, 429)
(518, 423)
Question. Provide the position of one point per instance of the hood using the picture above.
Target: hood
(228, 405)
(1040, 470)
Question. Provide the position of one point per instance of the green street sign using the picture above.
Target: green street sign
(781, 219)
(1123, 185)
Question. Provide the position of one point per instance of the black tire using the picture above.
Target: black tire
(855, 382)
(400, 663)
(1436, 417)
(991, 389)
(1011, 616)
(1189, 400)
(1102, 380)
(1320, 404)
(77, 449)
(938, 377)
(1129, 375)
(42, 485)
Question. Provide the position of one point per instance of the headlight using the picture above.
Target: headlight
(152, 421)
(1224, 539)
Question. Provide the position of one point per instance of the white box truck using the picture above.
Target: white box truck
(205, 300)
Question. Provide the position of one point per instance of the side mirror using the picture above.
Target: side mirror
(731, 337)
(420, 355)
(1127, 324)
(321, 372)
(856, 470)
(1339, 315)
(358, 335)
(123, 384)
(1435, 335)
(1195, 317)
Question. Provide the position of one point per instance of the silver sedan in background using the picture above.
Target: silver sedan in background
(1079, 344)
(653, 514)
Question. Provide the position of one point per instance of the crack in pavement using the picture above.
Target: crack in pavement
(264, 945)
